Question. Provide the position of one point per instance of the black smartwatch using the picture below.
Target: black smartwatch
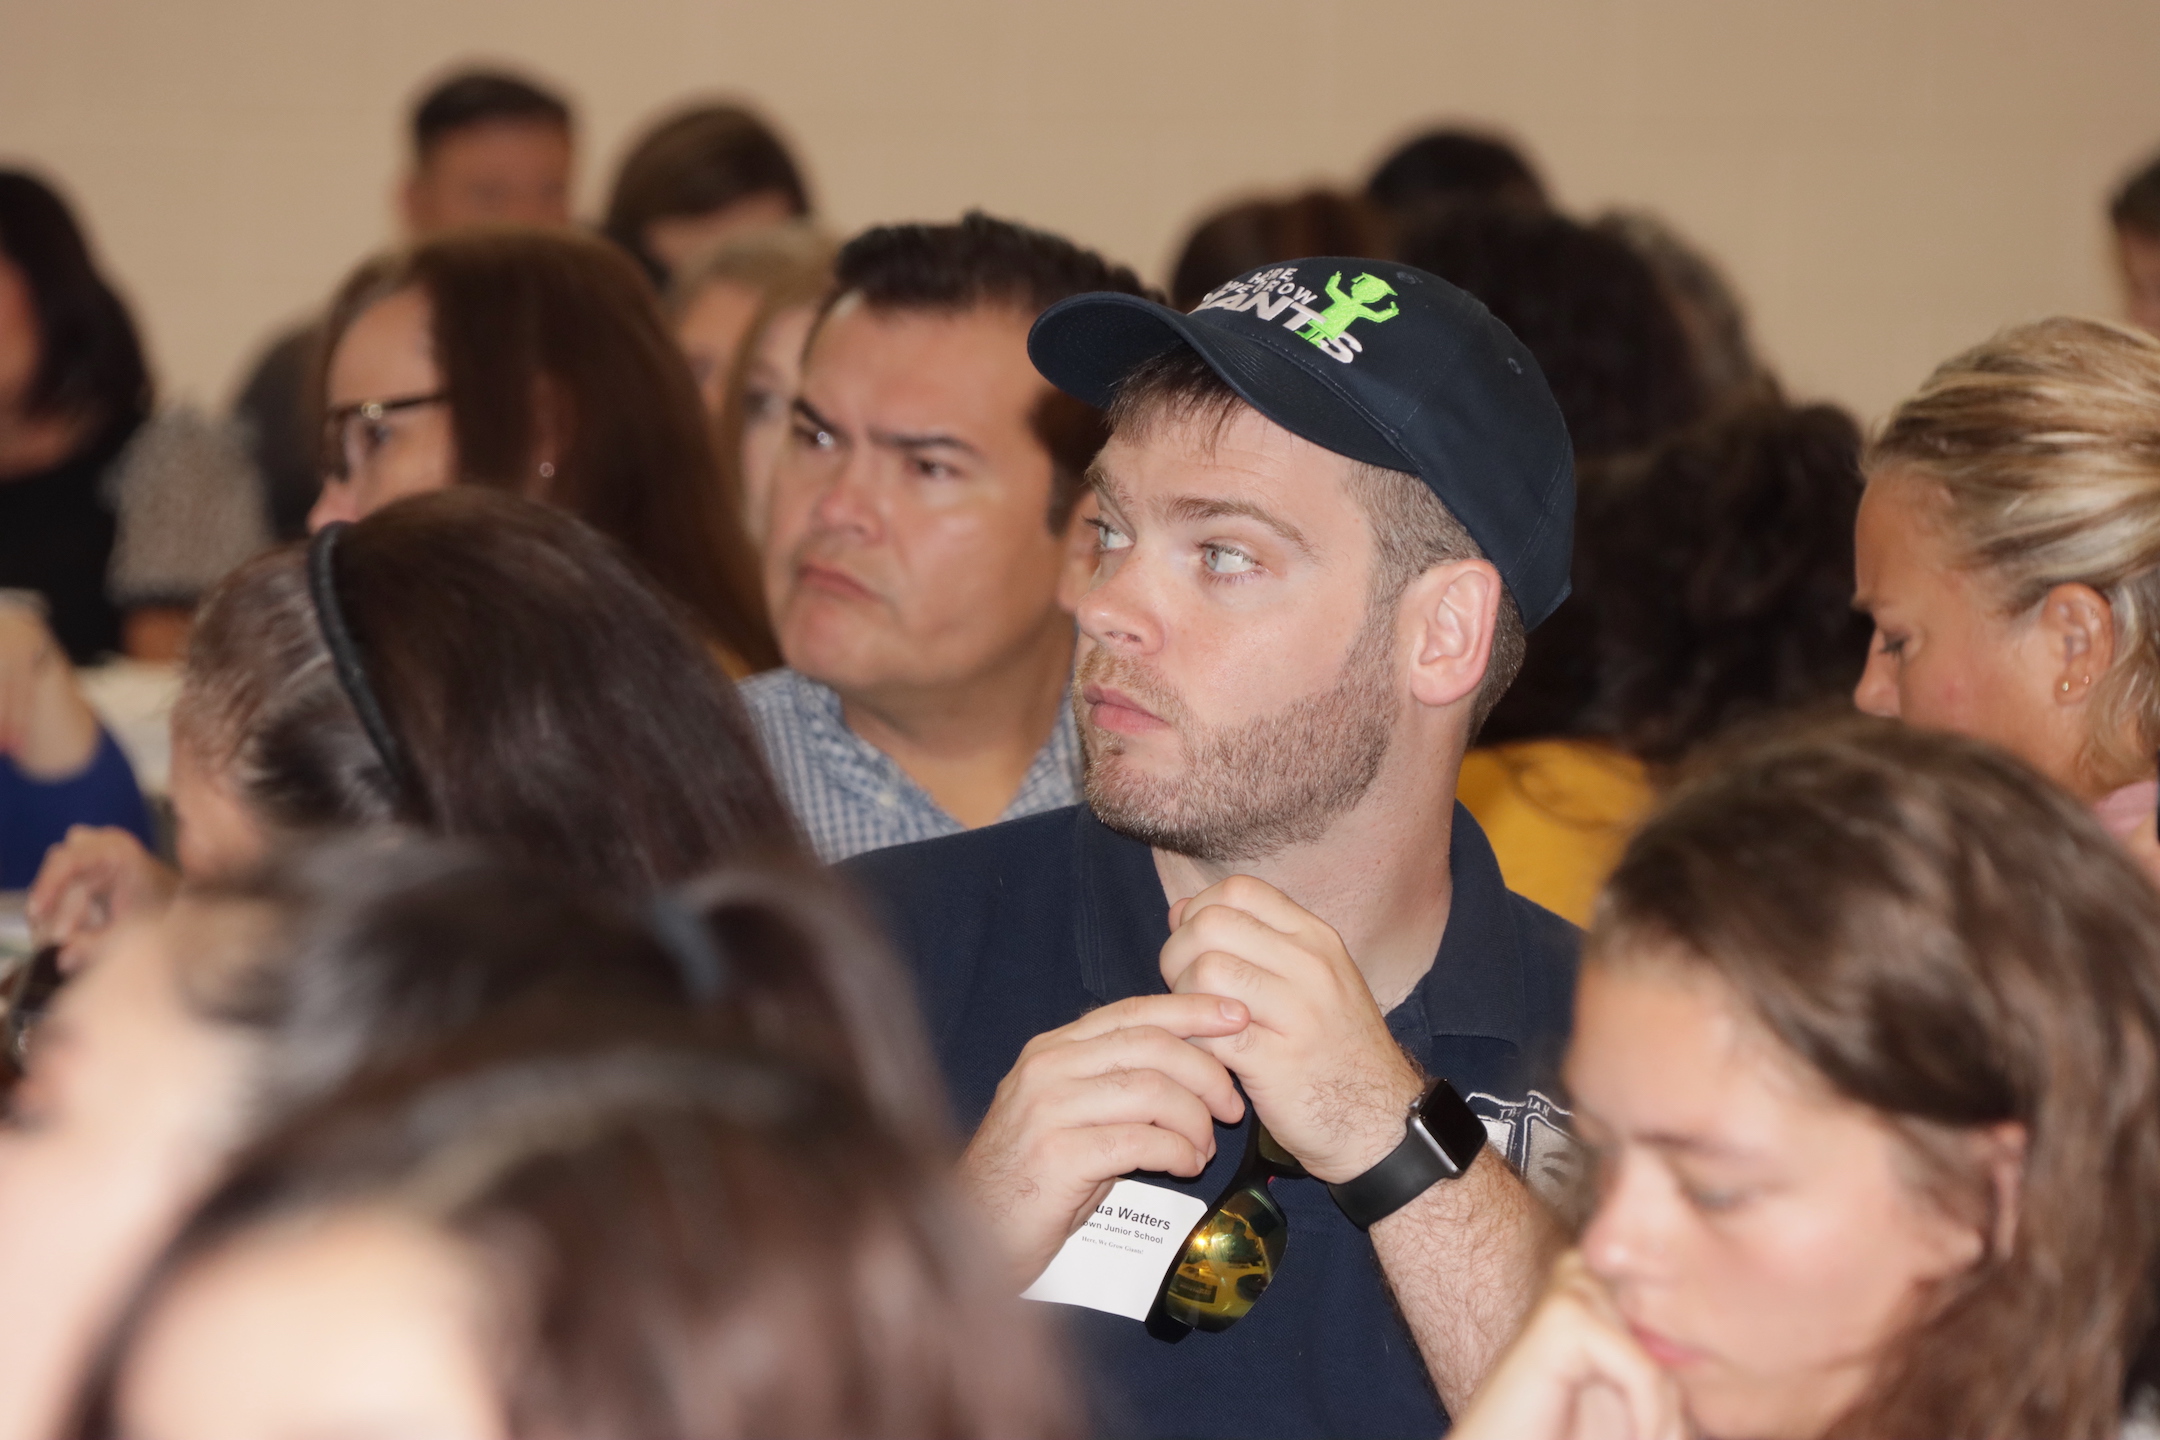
(1443, 1137)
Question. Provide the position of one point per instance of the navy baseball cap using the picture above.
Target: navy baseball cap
(1373, 360)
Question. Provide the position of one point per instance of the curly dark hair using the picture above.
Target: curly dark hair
(1449, 165)
(1590, 309)
(1268, 231)
(1721, 570)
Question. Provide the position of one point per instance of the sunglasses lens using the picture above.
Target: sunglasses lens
(1228, 1262)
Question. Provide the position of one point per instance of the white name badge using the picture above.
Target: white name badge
(1117, 1260)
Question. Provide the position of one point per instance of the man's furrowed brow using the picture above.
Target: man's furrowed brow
(804, 410)
(928, 440)
(1210, 507)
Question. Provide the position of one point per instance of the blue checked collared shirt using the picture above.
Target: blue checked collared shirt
(850, 796)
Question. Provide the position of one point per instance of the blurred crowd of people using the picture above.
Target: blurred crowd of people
(780, 834)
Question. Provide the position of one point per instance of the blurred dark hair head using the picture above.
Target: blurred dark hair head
(676, 1238)
(356, 955)
(90, 359)
(1253, 233)
(2136, 205)
(982, 263)
(1710, 313)
(1720, 568)
(470, 98)
(1713, 584)
(695, 162)
(543, 699)
(552, 347)
(1948, 940)
(1451, 166)
(1586, 305)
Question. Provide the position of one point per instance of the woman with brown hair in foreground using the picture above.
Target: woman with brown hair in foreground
(721, 1215)
(1868, 1047)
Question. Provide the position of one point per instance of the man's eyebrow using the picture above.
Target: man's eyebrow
(935, 440)
(1201, 507)
(1105, 486)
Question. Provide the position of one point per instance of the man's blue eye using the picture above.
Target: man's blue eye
(1109, 537)
(1222, 560)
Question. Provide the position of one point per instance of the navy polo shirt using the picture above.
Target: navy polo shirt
(1019, 928)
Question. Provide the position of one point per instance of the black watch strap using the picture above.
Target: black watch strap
(1444, 1136)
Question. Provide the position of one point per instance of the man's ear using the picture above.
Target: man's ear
(2079, 625)
(1449, 613)
(1076, 568)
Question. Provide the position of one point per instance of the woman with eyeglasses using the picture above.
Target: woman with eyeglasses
(1867, 1047)
(462, 663)
(537, 362)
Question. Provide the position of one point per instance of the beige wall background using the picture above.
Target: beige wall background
(1886, 180)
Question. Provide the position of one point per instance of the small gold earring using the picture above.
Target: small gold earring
(2065, 687)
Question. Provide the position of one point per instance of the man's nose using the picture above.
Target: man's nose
(1118, 612)
(847, 498)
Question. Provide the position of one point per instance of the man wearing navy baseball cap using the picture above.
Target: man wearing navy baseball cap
(1255, 1045)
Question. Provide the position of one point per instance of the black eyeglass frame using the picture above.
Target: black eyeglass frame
(336, 463)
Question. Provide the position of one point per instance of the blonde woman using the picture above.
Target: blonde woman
(2008, 551)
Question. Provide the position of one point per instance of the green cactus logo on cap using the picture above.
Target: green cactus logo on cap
(1330, 323)
(1266, 295)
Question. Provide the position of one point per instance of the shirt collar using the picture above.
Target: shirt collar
(868, 772)
(1476, 985)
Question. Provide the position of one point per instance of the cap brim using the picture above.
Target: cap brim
(1088, 344)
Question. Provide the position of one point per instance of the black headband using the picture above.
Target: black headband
(344, 655)
(683, 933)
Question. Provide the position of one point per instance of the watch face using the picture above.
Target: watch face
(1451, 1127)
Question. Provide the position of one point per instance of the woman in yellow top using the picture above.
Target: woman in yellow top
(1713, 584)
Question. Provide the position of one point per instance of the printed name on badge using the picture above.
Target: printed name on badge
(1116, 1261)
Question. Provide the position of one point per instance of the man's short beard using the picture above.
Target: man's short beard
(1250, 790)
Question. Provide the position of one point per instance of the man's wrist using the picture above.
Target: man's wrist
(1442, 1138)
(1378, 1127)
